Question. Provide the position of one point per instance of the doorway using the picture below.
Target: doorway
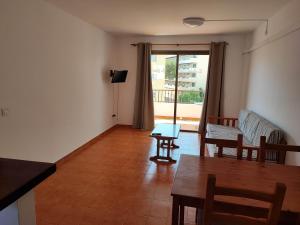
(179, 83)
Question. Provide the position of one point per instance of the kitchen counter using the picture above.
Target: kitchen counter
(17, 179)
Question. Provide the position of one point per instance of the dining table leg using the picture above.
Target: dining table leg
(175, 210)
(181, 216)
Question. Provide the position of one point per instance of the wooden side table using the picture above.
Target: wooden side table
(166, 133)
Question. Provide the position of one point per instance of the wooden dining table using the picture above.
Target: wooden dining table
(189, 186)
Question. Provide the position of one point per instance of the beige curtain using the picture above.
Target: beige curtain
(213, 101)
(143, 108)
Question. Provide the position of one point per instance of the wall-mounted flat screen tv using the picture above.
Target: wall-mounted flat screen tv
(119, 76)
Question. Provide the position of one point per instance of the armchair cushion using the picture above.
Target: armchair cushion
(242, 118)
(265, 128)
(250, 126)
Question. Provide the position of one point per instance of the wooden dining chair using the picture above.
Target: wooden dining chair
(277, 148)
(239, 216)
(226, 143)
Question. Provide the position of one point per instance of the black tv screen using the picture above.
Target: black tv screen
(119, 76)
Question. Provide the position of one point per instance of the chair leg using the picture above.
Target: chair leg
(199, 216)
(202, 144)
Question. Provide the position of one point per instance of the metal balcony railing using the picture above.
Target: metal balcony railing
(183, 96)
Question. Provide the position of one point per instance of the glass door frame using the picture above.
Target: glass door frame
(178, 53)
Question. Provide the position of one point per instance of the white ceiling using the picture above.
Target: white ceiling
(164, 17)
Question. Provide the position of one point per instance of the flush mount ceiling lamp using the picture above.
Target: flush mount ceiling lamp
(198, 21)
(193, 21)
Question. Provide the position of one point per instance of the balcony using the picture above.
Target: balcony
(189, 108)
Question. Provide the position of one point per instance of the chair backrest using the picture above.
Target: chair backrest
(238, 215)
(281, 150)
(225, 143)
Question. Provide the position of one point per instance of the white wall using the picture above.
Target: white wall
(274, 74)
(233, 68)
(53, 80)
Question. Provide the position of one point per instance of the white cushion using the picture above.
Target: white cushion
(228, 133)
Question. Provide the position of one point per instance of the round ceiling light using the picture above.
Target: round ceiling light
(193, 21)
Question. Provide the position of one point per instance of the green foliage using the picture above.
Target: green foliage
(170, 68)
(191, 96)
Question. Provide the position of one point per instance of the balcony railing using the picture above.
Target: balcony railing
(183, 96)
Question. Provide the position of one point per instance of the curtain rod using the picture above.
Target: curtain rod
(135, 44)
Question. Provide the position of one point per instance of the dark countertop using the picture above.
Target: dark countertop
(17, 177)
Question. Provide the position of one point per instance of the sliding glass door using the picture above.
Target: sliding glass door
(192, 74)
(163, 71)
(179, 82)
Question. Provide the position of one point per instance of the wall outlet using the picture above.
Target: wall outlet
(4, 112)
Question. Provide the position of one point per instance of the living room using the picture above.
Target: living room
(60, 107)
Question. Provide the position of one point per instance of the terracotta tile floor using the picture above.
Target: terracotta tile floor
(113, 182)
